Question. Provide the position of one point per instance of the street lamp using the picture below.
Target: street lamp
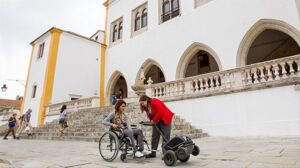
(3, 88)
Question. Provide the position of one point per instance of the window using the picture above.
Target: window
(41, 50)
(96, 38)
(117, 30)
(175, 8)
(170, 9)
(34, 91)
(144, 18)
(137, 22)
(120, 31)
(139, 19)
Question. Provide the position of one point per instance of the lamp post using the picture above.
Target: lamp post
(4, 88)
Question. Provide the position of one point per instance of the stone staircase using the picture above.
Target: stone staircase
(3, 129)
(86, 125)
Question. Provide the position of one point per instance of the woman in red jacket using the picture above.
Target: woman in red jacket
(159, 113)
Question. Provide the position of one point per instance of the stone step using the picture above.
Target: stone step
(86, 125)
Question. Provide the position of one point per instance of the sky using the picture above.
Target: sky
(21, 21)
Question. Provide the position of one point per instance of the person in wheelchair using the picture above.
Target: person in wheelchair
(120, 125)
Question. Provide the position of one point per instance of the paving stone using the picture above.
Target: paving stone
(215, 152)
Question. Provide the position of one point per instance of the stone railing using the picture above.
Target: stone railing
(277, 72)
(74, 105)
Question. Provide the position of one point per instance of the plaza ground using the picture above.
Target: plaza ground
(216, 152)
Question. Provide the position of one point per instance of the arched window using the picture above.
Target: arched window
(115, 31)
(166, 7)
(137, 22)
(120, 30)
(144, 18)
(175, 8)
(170, 9)
(175, 5)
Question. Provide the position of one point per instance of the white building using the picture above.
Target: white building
(229, 67)
(64, 66)
(176, 39)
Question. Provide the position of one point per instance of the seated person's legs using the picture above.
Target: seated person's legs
(138, 133)
(129, 133)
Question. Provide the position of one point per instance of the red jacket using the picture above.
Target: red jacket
(160, 112)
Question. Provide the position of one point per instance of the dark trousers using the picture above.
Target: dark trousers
(166, 131)
(138, 133)
(12, 130)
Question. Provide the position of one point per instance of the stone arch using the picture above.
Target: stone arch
(189, 53)
(112, 84)
(147, 65)
(258, 28)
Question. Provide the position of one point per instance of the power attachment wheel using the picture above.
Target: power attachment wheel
(170, 158)
(186, 159)
(123, 157)
(196, 150)
(182, 154)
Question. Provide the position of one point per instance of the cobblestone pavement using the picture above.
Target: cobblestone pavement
(216, 152)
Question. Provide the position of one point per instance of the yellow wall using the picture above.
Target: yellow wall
(102, 63)
(49, 74)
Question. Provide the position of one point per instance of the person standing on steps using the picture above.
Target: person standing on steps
(11, 126)
(25, 123)
(161, 115)
(62, 120)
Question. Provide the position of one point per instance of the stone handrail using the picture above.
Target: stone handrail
(274, 72)
(74, 105)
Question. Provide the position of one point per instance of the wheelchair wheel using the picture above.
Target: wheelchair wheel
(109, 146)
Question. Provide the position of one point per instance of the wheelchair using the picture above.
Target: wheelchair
(111, 142)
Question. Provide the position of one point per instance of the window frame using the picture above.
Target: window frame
(166, 15)
(139, 17)
(116, 31)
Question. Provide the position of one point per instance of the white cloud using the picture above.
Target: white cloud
(21, 21)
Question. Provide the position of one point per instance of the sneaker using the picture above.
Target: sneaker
(4, 138)
(138, 154)
(17, 138)
(146, 152)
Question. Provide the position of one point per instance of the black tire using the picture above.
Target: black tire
(196, 150)
(170, 158)
(123, 157)
(186, 159)
(182, 153)
(113, 147)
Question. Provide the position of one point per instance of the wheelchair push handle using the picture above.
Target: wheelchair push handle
(147, 123)
(151, 123)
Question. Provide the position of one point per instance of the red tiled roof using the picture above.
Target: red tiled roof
(10, 103)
